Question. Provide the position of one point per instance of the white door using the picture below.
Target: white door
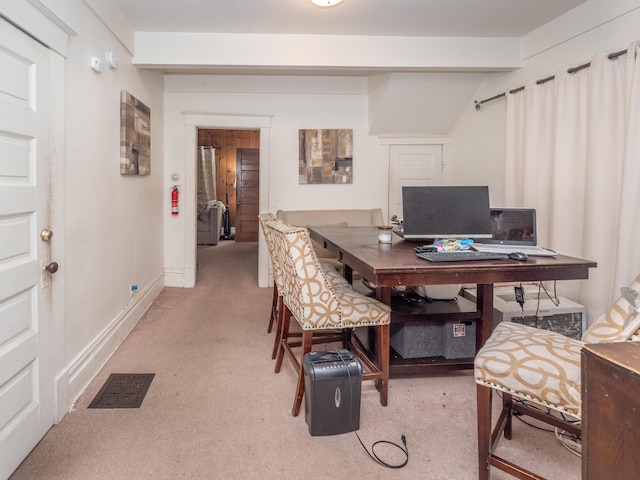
(26, 376)
(412, 165)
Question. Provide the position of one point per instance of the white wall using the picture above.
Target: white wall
(573, 39)
(341, 102)
(108, 227)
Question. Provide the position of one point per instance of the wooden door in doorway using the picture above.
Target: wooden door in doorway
(247, 194)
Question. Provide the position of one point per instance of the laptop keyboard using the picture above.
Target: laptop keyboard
(506, 249)
(459, 256)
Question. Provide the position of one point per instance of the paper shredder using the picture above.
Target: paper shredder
(332, 381)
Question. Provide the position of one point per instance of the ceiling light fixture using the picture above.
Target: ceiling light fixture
(326, 3)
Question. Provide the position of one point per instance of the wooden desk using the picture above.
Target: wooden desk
(395, 264)
(610, 410)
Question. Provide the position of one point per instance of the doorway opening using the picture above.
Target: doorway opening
(236, 172)
(205, 121)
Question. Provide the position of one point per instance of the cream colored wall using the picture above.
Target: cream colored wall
(342, 104)
(113, 223)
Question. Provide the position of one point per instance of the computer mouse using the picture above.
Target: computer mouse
(518, 256)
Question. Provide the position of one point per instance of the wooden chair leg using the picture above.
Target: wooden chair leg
(281, 336)
(483, 395)
(280, 313)
(307, 342)
(274, 309)
(507, 406)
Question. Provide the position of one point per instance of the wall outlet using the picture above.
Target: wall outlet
(133, 289)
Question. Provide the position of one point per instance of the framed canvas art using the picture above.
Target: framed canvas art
(325, 156)
(135, 136)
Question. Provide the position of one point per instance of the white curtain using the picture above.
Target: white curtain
(573, 153)
(206, 176)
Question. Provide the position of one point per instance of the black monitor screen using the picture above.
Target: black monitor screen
(433, 212)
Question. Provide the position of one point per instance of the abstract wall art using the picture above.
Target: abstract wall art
(135, 136)
(325, 156)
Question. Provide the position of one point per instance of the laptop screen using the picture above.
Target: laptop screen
(512, 226)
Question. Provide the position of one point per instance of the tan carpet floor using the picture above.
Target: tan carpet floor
(216, 410)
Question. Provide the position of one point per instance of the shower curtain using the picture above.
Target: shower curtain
(206, 176)
(573, 152)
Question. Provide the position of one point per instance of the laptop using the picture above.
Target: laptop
(512, 230)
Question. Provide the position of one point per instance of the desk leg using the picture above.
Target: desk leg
(347, 273)
(383, 294)
(484, 304)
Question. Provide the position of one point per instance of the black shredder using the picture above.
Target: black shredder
(332, 383)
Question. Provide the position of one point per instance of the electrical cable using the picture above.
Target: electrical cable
(372, 455)
(377, 459)
(568, 440)
(554, 298)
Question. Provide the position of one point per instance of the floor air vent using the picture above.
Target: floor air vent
(123, 390)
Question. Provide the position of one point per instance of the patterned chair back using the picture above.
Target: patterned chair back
(307, 293)
(264, 219)
(619, 323)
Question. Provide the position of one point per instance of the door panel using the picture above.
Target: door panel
(412, 165)
(247, 194)
(26, 376)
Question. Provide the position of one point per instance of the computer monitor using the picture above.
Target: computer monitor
(434, 212)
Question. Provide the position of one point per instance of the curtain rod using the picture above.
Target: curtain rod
(611, 56)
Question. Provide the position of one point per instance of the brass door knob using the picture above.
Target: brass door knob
(46, 235)
(52, 267)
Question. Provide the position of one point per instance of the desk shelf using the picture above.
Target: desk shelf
(432, 312)
(399, 367)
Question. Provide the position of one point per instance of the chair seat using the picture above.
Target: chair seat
(536, 364)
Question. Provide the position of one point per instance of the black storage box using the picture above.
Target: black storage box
(332, 383)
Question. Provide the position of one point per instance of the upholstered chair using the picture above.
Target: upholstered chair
(277, 286)
(277, 307)
(538, 374)
(319, 304)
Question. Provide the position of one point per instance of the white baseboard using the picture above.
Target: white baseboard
(75, 377)
(174, 277)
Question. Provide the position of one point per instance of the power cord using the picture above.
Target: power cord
(372, 454)
(519, 293)
(568, 440)
(378, 460)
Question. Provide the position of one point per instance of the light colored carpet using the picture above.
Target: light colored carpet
(216, 410)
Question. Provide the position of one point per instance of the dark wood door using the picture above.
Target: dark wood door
(247, 194)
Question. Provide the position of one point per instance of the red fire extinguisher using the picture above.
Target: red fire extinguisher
(174, 200)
